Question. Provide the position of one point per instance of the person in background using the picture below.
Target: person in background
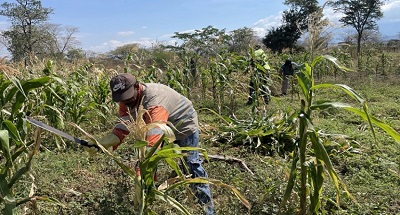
(163, 104)
(260, 77)
(286, 70)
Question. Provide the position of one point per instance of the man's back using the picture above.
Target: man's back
(181, 112)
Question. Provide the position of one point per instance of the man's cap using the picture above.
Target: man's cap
(122, 87)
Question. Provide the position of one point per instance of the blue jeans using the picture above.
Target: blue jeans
(193, 161)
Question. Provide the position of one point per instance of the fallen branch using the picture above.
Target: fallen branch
(230, 159)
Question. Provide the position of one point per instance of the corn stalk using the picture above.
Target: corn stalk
(16, 149)
(311, 152)
(148, 160)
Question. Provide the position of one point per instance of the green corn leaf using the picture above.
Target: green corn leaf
(17, 84)
(227, 120)
(27, 86)
(41, 198)
(336, 62)
(35, 83)
(368, 116)
(317, 173)
(315, 176)
(10, 94)
(149, 166)
(316, 60)
(3, 86)
(291, 182)
(140, 143)
(174, 165)
(323, 156)
(5, 147)
(155, 147)
(387, 128)
(353, 94)
(304, 80)
(7, 196)
(12, 130)
(21, 172)
(322, 105)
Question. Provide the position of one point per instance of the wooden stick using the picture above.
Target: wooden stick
(230, 159)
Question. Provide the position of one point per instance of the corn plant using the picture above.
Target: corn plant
(17, 149)
(310, 152)
(148, 160)
(265, 133)
(259, 78)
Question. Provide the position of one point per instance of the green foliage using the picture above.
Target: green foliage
(294, 22)
(361, 15)
(313, 157)
(26, 17)
(17, 147)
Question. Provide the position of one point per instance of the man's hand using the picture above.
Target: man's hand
(107, 141)
(91, 148)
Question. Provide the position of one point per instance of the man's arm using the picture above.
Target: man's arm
(155, 114)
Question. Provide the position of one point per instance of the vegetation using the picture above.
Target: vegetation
(30, 34)
(339, 120)
(295, 21)
(271, 141)
(361, 15)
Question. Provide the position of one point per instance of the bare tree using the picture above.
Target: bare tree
(62, 39)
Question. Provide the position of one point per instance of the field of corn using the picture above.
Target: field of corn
(331, 146)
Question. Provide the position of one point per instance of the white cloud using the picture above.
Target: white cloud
(187, 31)
(262, 26)
(391, 5)
(125, 33)
(143, 42)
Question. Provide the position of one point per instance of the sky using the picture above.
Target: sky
(106, 24)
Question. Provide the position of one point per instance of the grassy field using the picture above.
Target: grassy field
(369, 169)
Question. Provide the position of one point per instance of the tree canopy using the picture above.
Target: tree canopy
(25, 16)
(30, 34)
(295, 21)
(359, 14)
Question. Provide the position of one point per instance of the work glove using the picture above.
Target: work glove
(107, 141)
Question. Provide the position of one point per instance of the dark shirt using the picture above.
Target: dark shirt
(287, 69)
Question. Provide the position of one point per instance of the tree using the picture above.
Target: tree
(295, 21)
(240, 40)
(122, 52)
(359, 14)
(61, 39)
(25, 16)
(300, 11)
(281, 37)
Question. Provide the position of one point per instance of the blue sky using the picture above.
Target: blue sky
(104, 24)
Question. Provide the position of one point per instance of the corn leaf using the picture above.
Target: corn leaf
(12, 129)
(353, 94)
(305, 81)
(323, 156)
(5, 147)
(7, 196)
(200, 180)
(291, 182)
(335, 61)
(173, 202)
(388, 129)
